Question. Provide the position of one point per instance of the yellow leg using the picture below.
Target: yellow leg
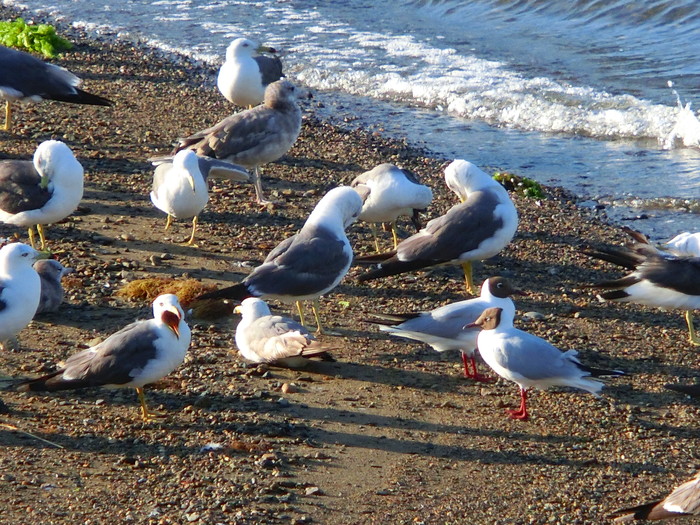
(315, 306)
(194, 229)
(467, 268)
(42, 237)
(300, 308)
(31, 237)
(145, 413)
(373, 227)
(8, 115)
(694, 339)
(168, 222)
(394, 235)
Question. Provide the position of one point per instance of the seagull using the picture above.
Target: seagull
(683, 501)
(308, 264)
(529, 360)
(478, 228)
(255, 136)
(43, 191)
(50, 272)
(684, 244)
(20, 289)
(138, 354)
(443, 327)
(265, 338)
(244, 76)
(390, 192)
(180, 186)
(656, 279)
(26, 78)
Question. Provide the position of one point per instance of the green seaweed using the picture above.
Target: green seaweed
(527, 187)
(39, 38)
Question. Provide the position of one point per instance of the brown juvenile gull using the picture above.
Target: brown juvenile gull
(244, 75)
(50, 272)
(477, 228)
(683, 501)
(26, 78)
(255, 136)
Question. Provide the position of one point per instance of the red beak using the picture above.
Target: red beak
(172, 319)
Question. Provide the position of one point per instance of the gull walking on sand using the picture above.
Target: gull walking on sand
(26, 78)
(20, 289)
(529, 360)
(478, 228)
(255, 136)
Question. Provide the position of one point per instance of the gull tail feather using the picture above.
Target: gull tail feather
(237, 292)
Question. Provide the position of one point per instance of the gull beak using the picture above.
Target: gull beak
(44, 183)
(171, 317)
(470, 325)
(238, 310)
(190, 179)
(516, 291)
(266, 49)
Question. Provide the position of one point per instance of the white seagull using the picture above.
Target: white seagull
(389, 192)
(138, 354)
(50, 273)
(684, 244)
(529, 360)
(683, 501)
(20, 289)
(255, 136)
(244, 75)
(42, 191)
(180, 186)
(308, 264)
(265, 338)
(443, 328)
(478, 228)
(26, 78)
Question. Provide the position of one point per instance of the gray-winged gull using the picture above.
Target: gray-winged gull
(255, 136)
(180, 185)
(684, 500)
(265, 338)
(26, 78)
(477, 228)
(244, 75)
(443, 328)
(50, 273)
(41, 191)
(529, 360)
(20, 289)
(138, 354)
(310, 263)
(389, 192)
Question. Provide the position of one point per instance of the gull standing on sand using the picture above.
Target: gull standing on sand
(41, 191)
(529, 360)
(20, 289)
(138, 354)
(50, 273)
(683, 501)
(180, 186)
(26, 78)
(265, 338)
(389, 192)
(478, 228)
(255, 136)
(443, 328)
(244, 75)
(308, 264)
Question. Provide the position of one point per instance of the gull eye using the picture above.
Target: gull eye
(25, 254)
(499, 285)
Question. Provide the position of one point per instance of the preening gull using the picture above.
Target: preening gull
(50, 273)
(265, 338)
(310, 263)
(20, 289)
(657, 280)
(180, 186)
(26, 78)
(244, 75)
(42, 191)
(138, 354)
(684, 500)
(478, 228)
(529, 360)
(389, 192)
(443, 328)
(255, 136)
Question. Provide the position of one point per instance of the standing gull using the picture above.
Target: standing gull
(20, 289)
(265, 338)
(138, 354)
(42, 191)
(308, 264)
(180, 186)
(478, 228)
(255, 136)
(244, 75)
(388, 193)
(683, 501)
(50, 273)
(529, 360)
(443, 327)
(26, 78)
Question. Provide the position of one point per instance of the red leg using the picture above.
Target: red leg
(467, 372)
(477, 376)
(521, 413)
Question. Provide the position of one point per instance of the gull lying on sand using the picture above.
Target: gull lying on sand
(50, 273)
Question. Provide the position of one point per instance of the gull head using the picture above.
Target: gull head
(167, 308)
(463, 177)
(17, 255)
(252, 308)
